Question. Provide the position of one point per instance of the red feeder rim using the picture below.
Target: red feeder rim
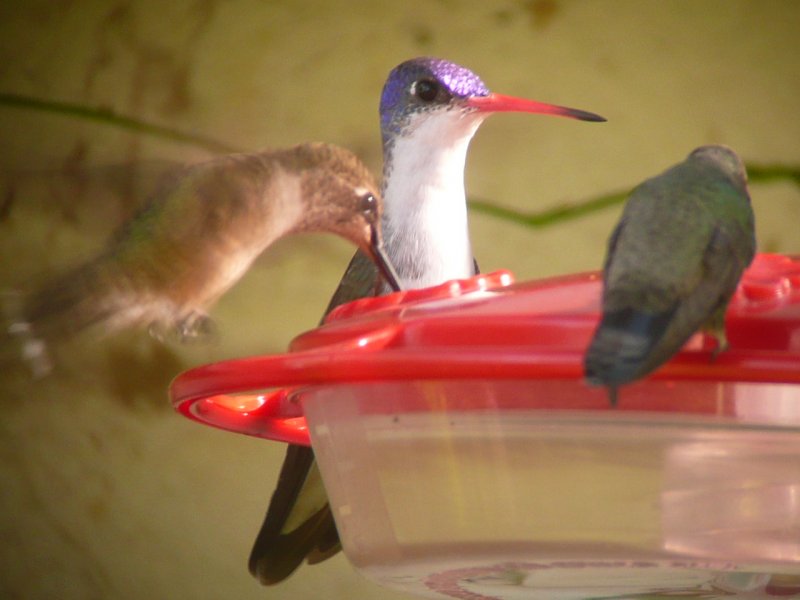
(486, 328)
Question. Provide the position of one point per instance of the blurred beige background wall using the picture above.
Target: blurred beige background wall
(104, 491)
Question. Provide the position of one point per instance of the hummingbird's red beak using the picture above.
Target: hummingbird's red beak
(500, 103)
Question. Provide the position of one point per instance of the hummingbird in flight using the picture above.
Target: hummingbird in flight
(673, 263)
(429, 111)
(197, 237)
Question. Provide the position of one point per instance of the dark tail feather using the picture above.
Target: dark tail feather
(276, 554)
(69, 303)
(17, 341)
(328, 543)
(59, 309)
(621, 348)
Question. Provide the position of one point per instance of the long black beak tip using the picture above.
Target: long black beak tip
(391, 277)
(587, 116)
(384, 265)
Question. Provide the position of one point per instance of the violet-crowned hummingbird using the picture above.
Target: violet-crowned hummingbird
(429, 111)
(197, 237)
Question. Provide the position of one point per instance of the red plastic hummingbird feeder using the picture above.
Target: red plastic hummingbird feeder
(464, 455)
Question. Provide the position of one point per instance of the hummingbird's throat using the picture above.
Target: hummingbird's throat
(425, 214)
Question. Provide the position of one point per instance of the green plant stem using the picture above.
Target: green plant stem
(550, 216)
(559, 214)
(109, 117)
(761, 174)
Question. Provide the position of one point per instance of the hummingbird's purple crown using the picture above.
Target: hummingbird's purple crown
(399, 100)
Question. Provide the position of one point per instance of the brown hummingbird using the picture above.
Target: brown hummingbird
(166, 266)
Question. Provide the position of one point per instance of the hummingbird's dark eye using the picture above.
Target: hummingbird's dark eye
(426, 89)
(369, 205)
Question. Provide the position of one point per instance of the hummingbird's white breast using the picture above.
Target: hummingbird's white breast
(425, 212)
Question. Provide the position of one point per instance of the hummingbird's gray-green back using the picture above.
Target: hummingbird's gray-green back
(673, 262)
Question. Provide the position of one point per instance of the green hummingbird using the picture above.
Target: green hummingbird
(673, 263)
(197, 237)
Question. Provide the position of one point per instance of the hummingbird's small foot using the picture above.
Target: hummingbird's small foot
(722, 343)
(196, 328)
(715, 327)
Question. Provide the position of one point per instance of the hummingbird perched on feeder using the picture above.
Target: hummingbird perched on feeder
(673, 263)
(197, 237)
(429, 111)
